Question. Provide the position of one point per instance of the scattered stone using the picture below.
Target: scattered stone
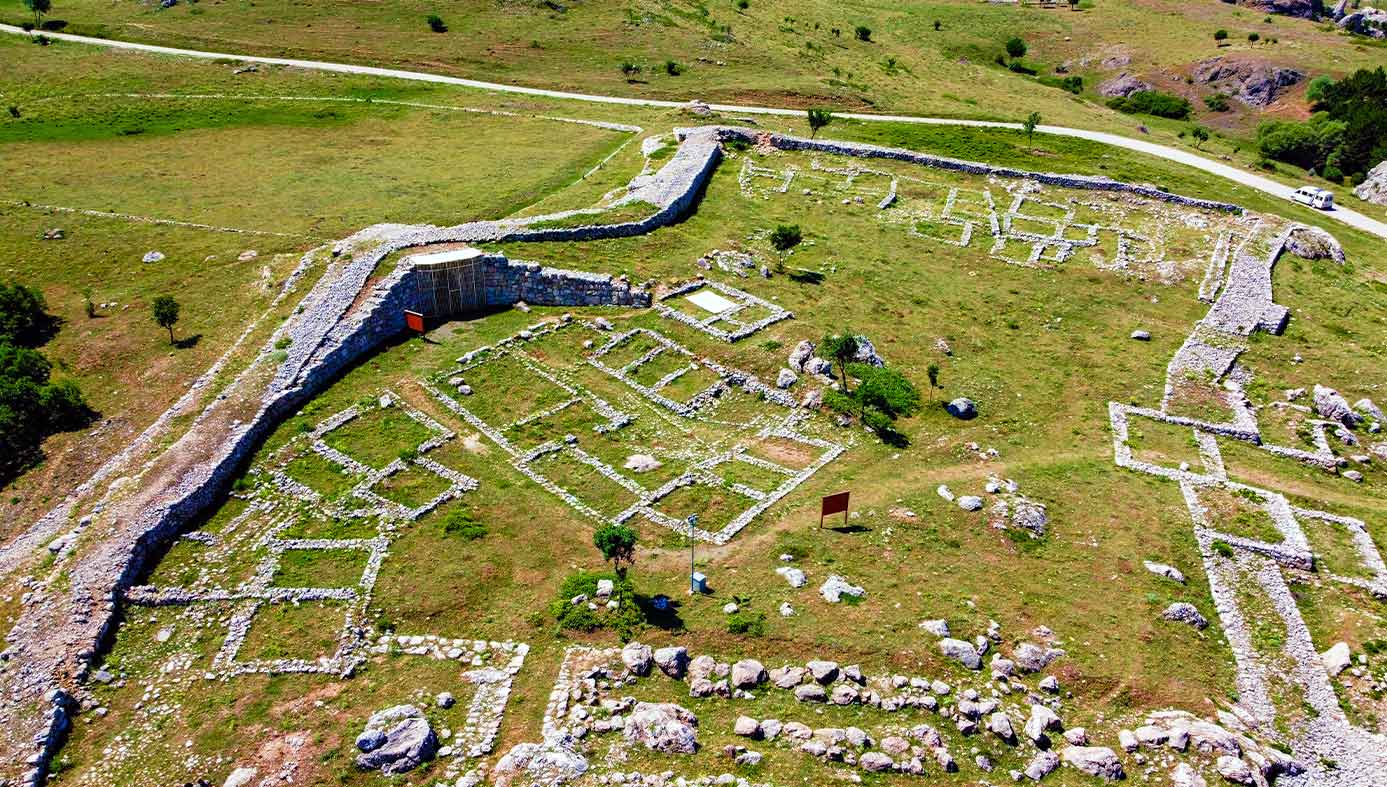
(1141, 336)
(152, 256)
(1185, 776)
(1076, 736)
(641, 463)
(1337, 659)
(241, 777)
(810, 692)
(747, 674)
(961, 651)
(1049, 683)
(444, 700)
(875, 762)
(785, 379)
(663, 727)
(638, 658)
(1042, 720)
(1185, 612)
(672, 661)
(1234, 770)
(747, 727)
(970, 503)
(835, 587)
(792, 575)
(824, 672)
(938, 627)
(1000, 725)
(1042, 765)
(1330, 404)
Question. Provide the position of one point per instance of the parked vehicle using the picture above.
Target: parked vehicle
(1315, 197)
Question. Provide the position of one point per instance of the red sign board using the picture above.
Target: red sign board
(414, 321)
(834, 504)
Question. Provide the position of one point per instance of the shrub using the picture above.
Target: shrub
(1307, 145)
(1223, 548)
(629, 69)
(436, 23)
(462, 524)
(938, 25)
(617, 543)
(786, 236)
(863, 33)
(673, 69)
(750, 624)
(1152, 102)
(24, 318)
(1315, 90)
(14, 111)
(625, 620)
(1220, 35)
(1218, 102)
(1332, 174)
(743, 5)
(1016, 47)
(1253, 37)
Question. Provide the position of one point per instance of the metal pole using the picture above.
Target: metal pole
(692, 520)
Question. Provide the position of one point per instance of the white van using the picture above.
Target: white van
(1315, 197)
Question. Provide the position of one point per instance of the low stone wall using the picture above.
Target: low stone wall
(863, 150)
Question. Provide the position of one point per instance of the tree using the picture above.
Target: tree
(39, 8)
(617, 543)
(1200, 134)
(786, 236)
(863, 33)
(818, 118)
(1016, 47)
(629, 69)
(1220, 35)
(885, 390)
(165, 310)
(841, 348)
(1028, 125)
(23, 315)
(933, 373)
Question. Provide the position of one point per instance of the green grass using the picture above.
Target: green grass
(377, 437)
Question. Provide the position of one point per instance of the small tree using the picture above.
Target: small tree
(1016, 47)
(1253, 38)
(863, 33)
(673, 69)
(938, 25)
(629, 69)
(39, 8)
(436, 23)
(1028, 125)
(1200, 134)
(818, 118)
(786, 236)
(933, 373)
(1220, 35)
(165, 310)
(841, 348)
(617, 543)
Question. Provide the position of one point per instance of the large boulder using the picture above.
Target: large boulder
(663, 727)
(637, 658)
(960, 651)
(1370, 22)
(1304, 9)
(1330, 404)
(1337, 658)
(1187, 613)
(1095, 761)
(1374, 189)
(396, 740)
(555, 761)
(747, 674)
(802, 352)
(1313, 243)
(672, 661)
(1121, 86)
(1254, 82)
(962, 408)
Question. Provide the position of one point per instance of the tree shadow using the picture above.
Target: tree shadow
(800, 276)
(188, 342)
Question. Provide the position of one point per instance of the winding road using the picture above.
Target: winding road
(1239, 176)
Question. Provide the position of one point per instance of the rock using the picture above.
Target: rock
(1368, 408)
(409, 741)
(786, 610)
(843, 694)
(962, 408)
(1183, 775)
(970, 503)
(1161, 569)
(700, 687)
(1366, 21)
(938, 627)
(961, 651)
(663, 727)
(1000, 725)
(1128, 741)
(730, 608)
(792, 575)
(370, 740)
(605, 588)
(1337, 659)
(642, 463)
(1313, 243)
(1374, 188)
(1033, 658)
(787, 677)
(1151, 736)
(1076, 736)
(1029, 515)
(1042, 765)
(241, 777)
(56, 233)
(1304, 9)
(785, 379)
(637, 658)
(875, 762)
(1121, 86)
(247, 255)
(1254, 82)
(1234, 770)
(102, 676)
(1049, 683)
(853, 672)
(1334, 407)
(824, 672)
(444, 700)
(818, 367)
(1042, 720)
(747, 674)
(835, 587)
(944, 492)
(1097, 761)
(672, 661)
(1184, 612)
(1353, 475)
(703, 666)
(813, 399)
(747, 727)
(895, 745)
(810, 692)
(152, 256)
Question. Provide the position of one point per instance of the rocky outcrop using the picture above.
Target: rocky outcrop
(396, 740)
(1304, 9)
(1313, 243)
(1122, 86)
(1374, 189)
(1366, 21)
(1255, 83)
(663, 727)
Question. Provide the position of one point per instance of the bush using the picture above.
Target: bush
(1332, 174)
(749, 624)
(1253, 37)
(24, 318)
(863, 33)
(785, 237)
(1315, 90)
(1220, 35)
(436, 23)
(629, 69)
(1016, 47)
(1152, 102)
(673, 69)
(462, 524)
(1307, 145)
(743, 5)
(32, 407)
(625, 620)
(1218, 102)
